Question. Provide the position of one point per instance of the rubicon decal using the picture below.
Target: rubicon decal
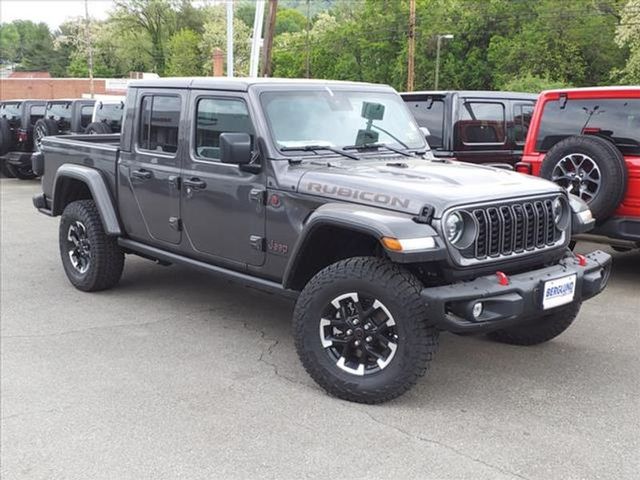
(351, 193)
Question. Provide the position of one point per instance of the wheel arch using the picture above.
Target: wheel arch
(337, 231)
(77, 182)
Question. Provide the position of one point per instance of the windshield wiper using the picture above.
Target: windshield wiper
(313, 148)
(366, 146)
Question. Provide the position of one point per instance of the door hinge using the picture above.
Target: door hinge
(257, 242)
(175, 223)
(258, 195)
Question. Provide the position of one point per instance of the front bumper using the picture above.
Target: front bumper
(450, 307)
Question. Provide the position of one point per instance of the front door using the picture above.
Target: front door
(222, 204)
(151, 196)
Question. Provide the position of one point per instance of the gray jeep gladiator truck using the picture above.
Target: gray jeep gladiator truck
(326, 192)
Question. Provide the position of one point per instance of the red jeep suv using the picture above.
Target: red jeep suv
(588, 141)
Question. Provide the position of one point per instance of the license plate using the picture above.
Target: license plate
(559, 292)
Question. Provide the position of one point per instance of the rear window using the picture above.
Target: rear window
(429, 113)
(481, 123)
(615, 119)
(59, 110)
(9, 110)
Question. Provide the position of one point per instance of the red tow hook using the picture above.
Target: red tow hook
(582, 260)
(502, 278)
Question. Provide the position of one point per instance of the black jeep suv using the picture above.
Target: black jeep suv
(17, 119)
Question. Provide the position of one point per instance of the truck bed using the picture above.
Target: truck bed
(98, 151)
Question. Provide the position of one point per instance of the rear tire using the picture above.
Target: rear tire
(591, 168)
(395, 343)
(540, 330)
(97, 128)
(43, 127)
(24, 173)
(91, 259)
(7, 171)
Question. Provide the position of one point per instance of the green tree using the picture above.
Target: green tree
(215, 36)
(289, 20)
(628, 35)
(156, 18)
(184, 55)
(9, 42)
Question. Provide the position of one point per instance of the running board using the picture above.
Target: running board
(149, 252)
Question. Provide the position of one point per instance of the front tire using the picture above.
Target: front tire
(91, 259)
(540, 330)
(361, 330)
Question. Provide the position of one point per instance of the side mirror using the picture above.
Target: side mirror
(425, 131)
(235, 148)
(100, 105)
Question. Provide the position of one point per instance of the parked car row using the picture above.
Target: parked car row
(24, 123)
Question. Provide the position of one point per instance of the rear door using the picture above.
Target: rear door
(150, 199)
(222, 204)
(480, 132)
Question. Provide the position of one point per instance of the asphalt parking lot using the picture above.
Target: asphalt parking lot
(175, 374)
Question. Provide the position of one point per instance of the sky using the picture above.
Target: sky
(52, 12)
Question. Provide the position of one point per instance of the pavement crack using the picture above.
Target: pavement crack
(455, 450)
(265, 353)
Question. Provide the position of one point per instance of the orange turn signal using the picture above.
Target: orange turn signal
(391, 244)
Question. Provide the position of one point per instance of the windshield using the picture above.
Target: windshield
(339, 118)
(9, 110)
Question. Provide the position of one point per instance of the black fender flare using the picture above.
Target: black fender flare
(376, 222)
(99, 191)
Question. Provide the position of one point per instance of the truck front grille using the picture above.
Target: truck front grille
(511, 229)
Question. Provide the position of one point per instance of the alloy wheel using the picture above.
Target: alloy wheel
(358, 333)
(579, 175)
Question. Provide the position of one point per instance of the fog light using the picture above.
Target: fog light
(477, 310)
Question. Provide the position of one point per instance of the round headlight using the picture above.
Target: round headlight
(454, 227)
(560, 210)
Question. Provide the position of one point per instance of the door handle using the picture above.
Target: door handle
(195, 183)
(141, 174)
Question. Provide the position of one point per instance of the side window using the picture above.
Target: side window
(86, 112)
(159, 119)
(481, 123)
(522, 113)
(215, 116)
(430, 114)
(36, 113)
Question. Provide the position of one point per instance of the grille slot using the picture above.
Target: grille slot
(512, 229)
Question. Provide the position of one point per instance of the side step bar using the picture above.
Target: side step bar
(239, 277)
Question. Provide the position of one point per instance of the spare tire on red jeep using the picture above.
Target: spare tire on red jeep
(591, 168)
(44, 127)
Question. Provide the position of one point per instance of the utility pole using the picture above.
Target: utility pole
(87, 36)
(268, 38)
(308, 46)
(229, 38)
(411, 50)
(448, 36)
(258, 20)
